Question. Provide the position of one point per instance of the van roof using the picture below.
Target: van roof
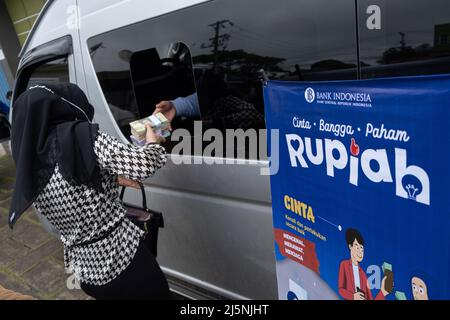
(52, 23)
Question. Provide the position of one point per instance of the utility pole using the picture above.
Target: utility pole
(219, 40)
(402, 41)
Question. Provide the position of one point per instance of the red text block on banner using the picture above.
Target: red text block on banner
(297, 249)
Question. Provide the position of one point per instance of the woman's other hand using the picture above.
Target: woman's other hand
(151, 136)
(125, 182)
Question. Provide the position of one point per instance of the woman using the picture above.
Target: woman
(71, 172)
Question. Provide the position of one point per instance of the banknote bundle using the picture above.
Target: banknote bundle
(399, 295)
(158, 122)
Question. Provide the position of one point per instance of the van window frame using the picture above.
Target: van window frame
(45, 53)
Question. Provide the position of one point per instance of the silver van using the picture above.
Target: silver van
(128, 55)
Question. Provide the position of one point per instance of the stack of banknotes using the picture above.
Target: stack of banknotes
(387, 270)
(399, 295)
(158, 122)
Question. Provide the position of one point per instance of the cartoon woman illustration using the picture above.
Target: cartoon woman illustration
(423, 286)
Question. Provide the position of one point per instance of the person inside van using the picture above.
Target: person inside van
(71, 172)
(222, 108)
(180, 107)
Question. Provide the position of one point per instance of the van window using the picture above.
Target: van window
(163, 73)
(223, 45)
(134, 81)
(51, 71)
(412, 37)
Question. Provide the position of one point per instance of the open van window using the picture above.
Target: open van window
(161, 74)
(143, 78)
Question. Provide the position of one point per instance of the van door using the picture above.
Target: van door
(49, 62)
(218, 239)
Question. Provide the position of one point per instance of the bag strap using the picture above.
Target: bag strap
(144, 198)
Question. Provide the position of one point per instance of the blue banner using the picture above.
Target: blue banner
(361, 193)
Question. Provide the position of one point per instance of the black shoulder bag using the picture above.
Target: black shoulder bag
(148, 220)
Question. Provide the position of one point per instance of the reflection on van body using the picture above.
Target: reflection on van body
(414, 38)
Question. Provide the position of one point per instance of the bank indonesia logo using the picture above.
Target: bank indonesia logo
(310, 95)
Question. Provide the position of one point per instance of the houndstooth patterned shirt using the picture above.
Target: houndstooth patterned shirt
(82, 214)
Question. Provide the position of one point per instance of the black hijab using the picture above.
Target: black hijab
(51, 125)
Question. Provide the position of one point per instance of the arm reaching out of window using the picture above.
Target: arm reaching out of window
(187, 107)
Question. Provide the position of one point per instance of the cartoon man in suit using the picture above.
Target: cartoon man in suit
(353, 284)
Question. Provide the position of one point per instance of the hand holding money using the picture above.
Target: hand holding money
(383, 286)
(387, 284)
(359, 296)
(159, 127)
(167, 108)
(151, 136)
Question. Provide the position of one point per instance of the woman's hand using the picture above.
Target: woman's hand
(125, 182)
(383, 286)
(151, 136)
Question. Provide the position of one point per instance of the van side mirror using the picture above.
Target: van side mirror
(5, 128)
(9, 95)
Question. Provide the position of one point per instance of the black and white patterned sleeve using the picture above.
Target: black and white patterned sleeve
(137, 163)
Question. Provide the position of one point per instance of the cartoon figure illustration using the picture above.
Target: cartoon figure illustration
(419, 289)
(291, 296)
(296, 292)
(423, 287)
(353, 284)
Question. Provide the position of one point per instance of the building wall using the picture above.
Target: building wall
(442, 37)
(16, 20)
(23, 14)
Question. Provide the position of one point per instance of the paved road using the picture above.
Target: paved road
(31, 260)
